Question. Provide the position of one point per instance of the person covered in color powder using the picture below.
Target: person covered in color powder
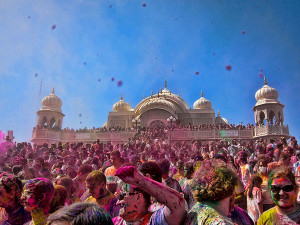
(254, 198)
(135, 201)
(284, 193)
(81, 213)
(96, 184)
(59, 198)
(10, 194)
(36, 198)
(213, 187)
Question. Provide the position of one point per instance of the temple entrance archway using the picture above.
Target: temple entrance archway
(157, 123)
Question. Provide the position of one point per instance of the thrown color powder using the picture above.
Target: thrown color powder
(120, 83)
(228, 67)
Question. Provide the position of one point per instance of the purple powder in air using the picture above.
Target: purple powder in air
(120, 83)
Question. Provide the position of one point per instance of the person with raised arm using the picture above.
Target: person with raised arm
(134, 201)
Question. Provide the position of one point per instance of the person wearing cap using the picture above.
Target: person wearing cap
(10, 194)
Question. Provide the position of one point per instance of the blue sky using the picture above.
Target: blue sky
(140, 45)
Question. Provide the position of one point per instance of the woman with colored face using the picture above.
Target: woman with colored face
(283, 192)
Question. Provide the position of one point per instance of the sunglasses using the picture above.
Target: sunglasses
(122, 195)
(286, 188)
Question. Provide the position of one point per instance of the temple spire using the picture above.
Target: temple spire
(165, 81)
(201, 93)
(122, 97)
(53, 91)
(218, 113)
(265, 80)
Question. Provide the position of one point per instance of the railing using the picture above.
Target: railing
(210, 134)
(262, 130)
(72, 136)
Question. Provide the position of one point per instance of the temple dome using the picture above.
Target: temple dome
(52, 102)
(202, 103)
(266, 92)
(158, 102)
(121, 106)
(221, 120)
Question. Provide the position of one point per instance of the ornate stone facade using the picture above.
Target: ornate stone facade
(163, 109)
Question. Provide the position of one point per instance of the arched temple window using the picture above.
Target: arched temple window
(52, 122)
(261, 117)
(271, 116)
(44, 121)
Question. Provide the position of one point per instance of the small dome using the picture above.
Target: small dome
(202, 103)
(104, 125)
(52, 102)
(121, 106)
(221, 120)
(266, 92)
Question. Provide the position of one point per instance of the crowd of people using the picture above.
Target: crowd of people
(175, 126)
(149, 180)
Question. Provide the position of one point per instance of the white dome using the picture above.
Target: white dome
(266, 92)
(202, 103)
(157, 102)
(221, 120)
(52, 102)
(121, 106)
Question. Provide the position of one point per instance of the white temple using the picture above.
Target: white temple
(164, 109)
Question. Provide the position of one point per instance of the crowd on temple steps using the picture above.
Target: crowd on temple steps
(150, 180)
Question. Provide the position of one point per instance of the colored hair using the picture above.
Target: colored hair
(59, 198)
(67, 182)
(255, 180)
(164, 166)
(97, 176)
(81, 213)
(11, 182)
(41, 186)
(213, 181)
(116, 152)
(83, 169)
(153, 169)
(281, 172)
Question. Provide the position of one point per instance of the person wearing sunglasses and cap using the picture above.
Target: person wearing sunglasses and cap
(283, 188)
(135, 201)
